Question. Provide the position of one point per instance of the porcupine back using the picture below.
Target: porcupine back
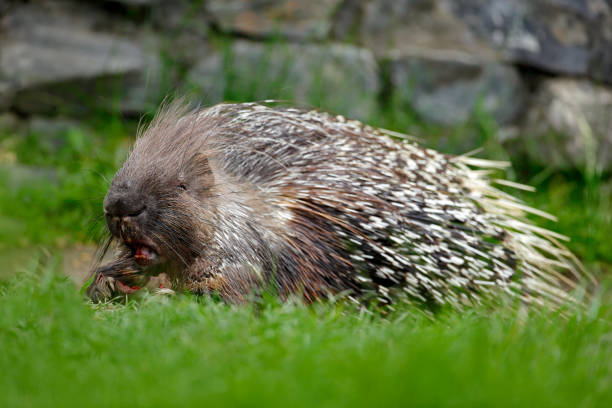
(385, 218)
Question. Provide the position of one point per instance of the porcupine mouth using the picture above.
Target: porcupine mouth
(143, 250)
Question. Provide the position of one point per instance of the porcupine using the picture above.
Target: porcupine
(238, 197)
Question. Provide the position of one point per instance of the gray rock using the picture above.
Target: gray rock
(80, 15)
(397, 25)
(6, 5)
(210, 79)
(336, 77)
(137, 3)
(49, 65)
(600, 65)
(347, 19)
(569, 125)
(560, 36)
(290, 19)
(445, 87)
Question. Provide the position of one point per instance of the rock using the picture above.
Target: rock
(136, 3)
(336, 77)
(445, 87)
(6, 5)
(50, 65)
(559, 36)
(81, 15)
(437, 64)
(569, 126)
(600, 65)
(398, 25)
(299, 20)
(347, 19)
(571, 37)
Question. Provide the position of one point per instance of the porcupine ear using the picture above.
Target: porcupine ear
(197, 176)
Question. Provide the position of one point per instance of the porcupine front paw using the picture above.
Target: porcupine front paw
(106, 287)
(101, 288)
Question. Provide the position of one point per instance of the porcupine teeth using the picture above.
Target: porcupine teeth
(144, 255)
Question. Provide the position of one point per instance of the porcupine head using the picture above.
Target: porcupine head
(163, 202)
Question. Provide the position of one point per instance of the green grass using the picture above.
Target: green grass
(58, 350)
(52, 187)
(584, 212)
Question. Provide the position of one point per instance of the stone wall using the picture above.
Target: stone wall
(542, 68)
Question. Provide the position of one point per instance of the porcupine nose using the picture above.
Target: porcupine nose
(122, 204)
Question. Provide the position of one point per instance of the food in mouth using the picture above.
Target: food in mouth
(144, 255)
(143, 250)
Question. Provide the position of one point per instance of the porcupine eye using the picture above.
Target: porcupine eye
(182, 186)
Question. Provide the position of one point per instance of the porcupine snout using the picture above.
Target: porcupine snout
(123, 205)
